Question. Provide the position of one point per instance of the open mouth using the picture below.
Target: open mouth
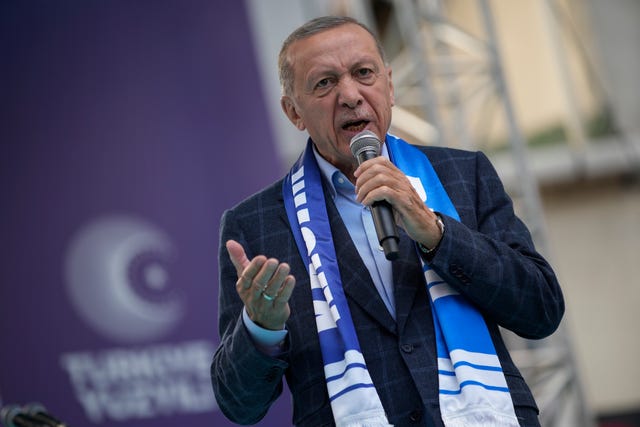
(355, 126)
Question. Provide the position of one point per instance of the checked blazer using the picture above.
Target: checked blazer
(488, 256)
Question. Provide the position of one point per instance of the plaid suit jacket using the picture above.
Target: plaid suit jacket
(488, 256)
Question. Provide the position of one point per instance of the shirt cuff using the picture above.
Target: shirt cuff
(266, 340)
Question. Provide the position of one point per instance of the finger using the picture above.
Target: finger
(274, 284)
(249, 275)
(384, 186)
(265, 274)
(377, 178)
(285, 291)
(367, 165)
(377, 192)
(237, 255)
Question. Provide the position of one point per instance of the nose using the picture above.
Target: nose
(349, 93)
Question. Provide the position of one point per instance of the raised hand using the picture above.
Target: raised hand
(264, 285)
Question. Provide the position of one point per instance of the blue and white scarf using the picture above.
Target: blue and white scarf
(472, 387)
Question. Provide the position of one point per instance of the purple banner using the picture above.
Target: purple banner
(127, 128)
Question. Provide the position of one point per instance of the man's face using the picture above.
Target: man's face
(341, 87)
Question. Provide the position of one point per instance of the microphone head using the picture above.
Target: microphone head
(8, 414)
(364, 141)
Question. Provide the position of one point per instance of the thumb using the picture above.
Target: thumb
(237, 255)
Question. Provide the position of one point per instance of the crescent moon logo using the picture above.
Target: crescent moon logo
(118, 277)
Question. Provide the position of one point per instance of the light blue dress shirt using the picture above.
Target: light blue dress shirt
(359, 222)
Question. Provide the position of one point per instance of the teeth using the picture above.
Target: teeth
(356, 126)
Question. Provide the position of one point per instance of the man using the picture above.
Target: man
(306, 293)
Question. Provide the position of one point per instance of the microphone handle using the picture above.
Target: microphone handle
(47, 419)
(385, 226)
(22, 420)
(383, 220)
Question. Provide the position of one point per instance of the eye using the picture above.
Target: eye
(322, 83)
(365, 75)
(323, 86)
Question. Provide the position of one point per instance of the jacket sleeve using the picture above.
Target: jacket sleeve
(495, 265)
(245, 381)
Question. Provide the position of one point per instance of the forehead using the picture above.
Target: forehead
(347, 42)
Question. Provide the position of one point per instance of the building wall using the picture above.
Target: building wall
(594, 233)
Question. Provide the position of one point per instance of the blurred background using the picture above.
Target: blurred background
(129, 126)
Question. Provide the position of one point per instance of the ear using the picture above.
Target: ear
(391, 92)
(290, 110)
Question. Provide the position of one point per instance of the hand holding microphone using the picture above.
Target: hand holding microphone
(364, 146)
(382, 180)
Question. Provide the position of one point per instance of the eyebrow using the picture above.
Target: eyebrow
(374, 64)
(330, 71)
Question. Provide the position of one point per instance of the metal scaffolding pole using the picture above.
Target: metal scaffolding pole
(528, 184)
(407, 15)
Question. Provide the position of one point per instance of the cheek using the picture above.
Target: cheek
(323, 119)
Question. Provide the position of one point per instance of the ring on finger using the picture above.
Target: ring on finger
(267, 297)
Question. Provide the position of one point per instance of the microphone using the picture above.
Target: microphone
(364, 146)
(13, 416)
(31, 415)
(38, 412)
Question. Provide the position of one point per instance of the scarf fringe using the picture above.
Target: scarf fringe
(378, 419)
(481, 417)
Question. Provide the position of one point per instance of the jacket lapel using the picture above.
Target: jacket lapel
(407, 279)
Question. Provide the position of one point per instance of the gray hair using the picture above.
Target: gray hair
(313, 27)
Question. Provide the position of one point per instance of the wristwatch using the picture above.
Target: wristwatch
(440, 224)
